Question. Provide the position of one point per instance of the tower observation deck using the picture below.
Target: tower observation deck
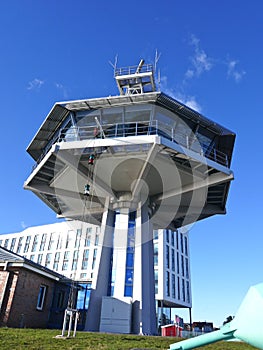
(147, 161)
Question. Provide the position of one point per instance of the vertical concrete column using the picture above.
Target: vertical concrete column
(119, 252)
(144, 310)
(100, 288)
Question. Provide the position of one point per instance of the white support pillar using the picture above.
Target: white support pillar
(119, 253)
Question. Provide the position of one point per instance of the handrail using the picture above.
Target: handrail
(138, 128)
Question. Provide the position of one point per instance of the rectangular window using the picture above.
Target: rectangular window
(178, 288)
(167, 257)
(56, 261)
(177, 240)
(96, 240)
(182, 242)
(85, 259)
(188, 291)
(155, 234)
(77, 239)
(186, 268)
(59, 242)
(156, 281)
(32, 257)
(48, 260)
(172, 238)
(75, 260)
(167, 283)
(167, 236)
(155, 247)
(183, 289)
(87, 237)
(177, 261)
(173, 260)
(51, 241)
(13, 242)
(41, 297)
(26, 247)
(39, 258)
(65, 261)
(94, 258)
(173, 286)
(182, 265)
(185, 246)
(43, 242)
(1, 241)
(6, 243)
(35, 242)
(69, 239)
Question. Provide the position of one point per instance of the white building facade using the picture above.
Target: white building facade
(73, 249)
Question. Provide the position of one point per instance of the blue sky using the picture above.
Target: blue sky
(211, 59)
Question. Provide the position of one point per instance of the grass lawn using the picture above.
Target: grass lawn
(29, 339)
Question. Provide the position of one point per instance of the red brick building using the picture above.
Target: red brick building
(30, 295)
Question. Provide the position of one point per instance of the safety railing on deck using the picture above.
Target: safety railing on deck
(155, 127)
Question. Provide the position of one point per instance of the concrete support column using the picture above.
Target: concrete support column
(144, 310)
(103, 273)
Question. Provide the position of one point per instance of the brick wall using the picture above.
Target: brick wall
(8, 286)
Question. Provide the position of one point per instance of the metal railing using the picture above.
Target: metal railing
(155, 127)
(146, 68)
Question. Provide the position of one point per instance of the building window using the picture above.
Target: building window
(26, 247)
(173, 260)
(59, 242)
(6, 243)
(177, 261)
(43, 242)
(172, 238)
(69, 239)
(56, 261)
(75, 260)
(155, 254)
(65, 261)
(1, 241)
(48, 260)
(155, 234)
(32, 257)
(13, 242)
(94, 258)
(39, 258)
(77, 239)
(85, 259)
(178, 288)
(186, 268)
(185, 246)
(173, 286)
(35, 242)
(96, 240)
(83, 275)
(183, 289)
(167, 236)
(167, 283)
(156, 281)
(87, 237)
(182, 265)
(177, 242)
(41, 297)
(188, 291)
(167, 257)
(182, 242)
(51, 241)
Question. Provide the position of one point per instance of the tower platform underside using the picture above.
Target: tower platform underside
(181, 185)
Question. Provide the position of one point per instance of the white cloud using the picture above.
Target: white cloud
(200, 60)
(23, 225)
(189, 101)
(233, 72)
(62, 88)
(35, 84)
